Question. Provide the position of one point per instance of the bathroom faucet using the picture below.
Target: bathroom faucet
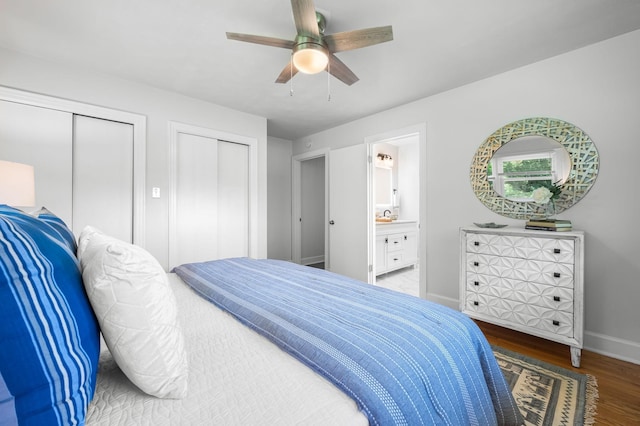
(385, 213)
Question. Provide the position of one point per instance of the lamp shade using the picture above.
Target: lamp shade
(310, 58)
(17, 184)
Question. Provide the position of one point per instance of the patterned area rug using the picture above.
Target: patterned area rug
(546, 394)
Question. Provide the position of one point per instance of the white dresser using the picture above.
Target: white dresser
(396, 245)
(530, 281)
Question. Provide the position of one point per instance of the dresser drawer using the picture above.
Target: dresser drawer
(532, 248)
(551, 273)
(546, 296)
(522, 314)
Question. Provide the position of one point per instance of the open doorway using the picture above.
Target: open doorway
(309, 209)
(396, 208)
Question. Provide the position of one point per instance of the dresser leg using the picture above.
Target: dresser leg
(576, 353)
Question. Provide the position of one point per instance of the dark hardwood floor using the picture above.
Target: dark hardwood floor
(618, 381)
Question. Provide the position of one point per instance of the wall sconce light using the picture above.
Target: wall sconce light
(384, 160)
(17, 184)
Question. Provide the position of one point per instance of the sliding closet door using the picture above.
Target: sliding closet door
(233, 199)
(40, 137)
(103, 176)
(211, 200)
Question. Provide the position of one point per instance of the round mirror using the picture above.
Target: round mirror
(529, 153)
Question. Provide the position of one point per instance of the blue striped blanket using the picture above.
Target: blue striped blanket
(403, 360)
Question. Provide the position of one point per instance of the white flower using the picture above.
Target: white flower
(541, 195)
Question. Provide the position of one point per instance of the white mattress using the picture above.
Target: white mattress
(236, 377)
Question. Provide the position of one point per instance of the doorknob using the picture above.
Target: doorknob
(331, 222)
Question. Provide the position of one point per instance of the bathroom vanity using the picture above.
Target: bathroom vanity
(396, 245)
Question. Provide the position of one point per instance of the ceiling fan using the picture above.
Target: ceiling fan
(312, 50)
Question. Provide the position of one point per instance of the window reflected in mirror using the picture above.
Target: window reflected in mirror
(529, 162)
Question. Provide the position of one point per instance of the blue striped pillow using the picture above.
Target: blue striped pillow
(58, 224)
(49, 334)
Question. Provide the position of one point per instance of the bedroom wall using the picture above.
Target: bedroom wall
(31, 74)
(597, 89)
(279, 198)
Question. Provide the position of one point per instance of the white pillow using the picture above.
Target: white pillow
(136, 309)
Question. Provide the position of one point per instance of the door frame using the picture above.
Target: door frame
(138, 121)
(421, 130)
(296, 203)
(175, 128)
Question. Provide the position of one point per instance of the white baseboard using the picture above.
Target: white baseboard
(613, 347)
(312, 260)
(446, 301)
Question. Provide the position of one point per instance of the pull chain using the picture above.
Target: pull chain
(329, 81)
(291, 75)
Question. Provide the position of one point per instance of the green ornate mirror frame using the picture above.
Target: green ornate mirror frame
(581, 149)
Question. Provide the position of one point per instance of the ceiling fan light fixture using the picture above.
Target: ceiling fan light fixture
(310, 58)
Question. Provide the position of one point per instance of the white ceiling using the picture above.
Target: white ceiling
(181, 46)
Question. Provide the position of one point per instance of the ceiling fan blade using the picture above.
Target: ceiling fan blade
(339, 70)
(287, 72)
(304, 16)
(349, 40)
(267, 41)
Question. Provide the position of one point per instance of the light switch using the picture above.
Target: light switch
(155, 192)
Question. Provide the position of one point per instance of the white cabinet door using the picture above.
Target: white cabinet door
(103, 176)
(348, 240)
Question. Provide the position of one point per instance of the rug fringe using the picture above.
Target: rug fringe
(591, 403)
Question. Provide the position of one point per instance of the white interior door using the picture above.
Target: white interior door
(348, 236)
(103, 176)
(211, 200)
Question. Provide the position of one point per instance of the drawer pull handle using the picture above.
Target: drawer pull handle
(556, 322)
(476, 243)
(386, 240)
(405, 238)
(476, 263)
(556, 274)
(396, 242)
(556, 251)
(476, 283)
(556, 298)
(475, 303)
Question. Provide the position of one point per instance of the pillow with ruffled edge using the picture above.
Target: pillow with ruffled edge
(50, 337)
(137, 312)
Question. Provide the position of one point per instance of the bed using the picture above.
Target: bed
(236, 345)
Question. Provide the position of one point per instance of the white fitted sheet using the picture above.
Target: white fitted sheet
(236, 377)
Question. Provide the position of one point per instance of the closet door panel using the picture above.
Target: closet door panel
(103, 176)
(211, 200)
(42, 138)
(195, 199)
(233, 199)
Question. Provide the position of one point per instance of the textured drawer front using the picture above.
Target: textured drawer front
(551, 273)
(536, 317)
(546, 296)
(534, 248)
